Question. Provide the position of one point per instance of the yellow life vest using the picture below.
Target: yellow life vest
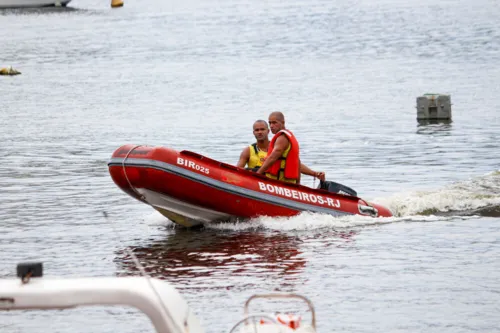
(257, 156)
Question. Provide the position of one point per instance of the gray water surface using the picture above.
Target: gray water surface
(195, 75)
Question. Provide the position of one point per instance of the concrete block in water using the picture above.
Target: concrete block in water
(433, 106)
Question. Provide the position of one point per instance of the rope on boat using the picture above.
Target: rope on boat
(125, 173)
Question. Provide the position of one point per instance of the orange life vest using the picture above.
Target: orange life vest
(287, 167)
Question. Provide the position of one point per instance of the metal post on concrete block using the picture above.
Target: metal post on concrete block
(434, 107)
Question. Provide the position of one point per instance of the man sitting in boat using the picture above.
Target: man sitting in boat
(254, 155)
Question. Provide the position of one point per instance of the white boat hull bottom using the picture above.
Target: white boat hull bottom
(32, 3)
(181, 212)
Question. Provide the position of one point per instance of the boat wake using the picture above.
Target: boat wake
(316, 222)
(464, 200)
(478, 196)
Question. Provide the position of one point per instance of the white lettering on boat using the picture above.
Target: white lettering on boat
(192, 165)
(308, 197)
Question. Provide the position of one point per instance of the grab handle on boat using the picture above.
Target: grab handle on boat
(286, 295)
(368, 210)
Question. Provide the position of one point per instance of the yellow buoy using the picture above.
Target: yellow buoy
(9, 71)
(116, 3)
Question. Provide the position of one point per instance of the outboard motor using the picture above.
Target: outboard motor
(337, 188)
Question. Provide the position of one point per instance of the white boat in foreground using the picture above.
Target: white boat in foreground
(160, 301)
(32, 3)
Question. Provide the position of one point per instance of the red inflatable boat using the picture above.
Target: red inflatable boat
(191, 189)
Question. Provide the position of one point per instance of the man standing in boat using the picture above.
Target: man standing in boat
(255, 154)
(283, 159)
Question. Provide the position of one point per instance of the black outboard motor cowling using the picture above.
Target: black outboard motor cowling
(337, 188)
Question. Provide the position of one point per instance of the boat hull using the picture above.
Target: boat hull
(191, 189)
